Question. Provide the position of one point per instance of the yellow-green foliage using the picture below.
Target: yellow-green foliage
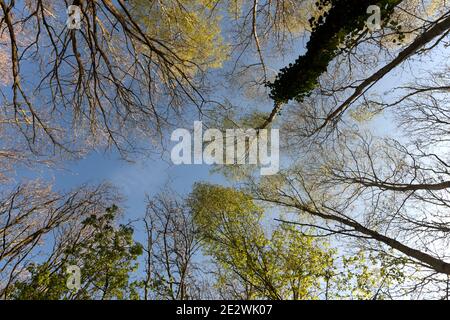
(281, 265)
(186, 28)
(285, 262)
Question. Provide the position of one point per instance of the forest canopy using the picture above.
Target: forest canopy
(358, 209)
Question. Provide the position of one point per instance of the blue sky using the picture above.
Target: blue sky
(133, 180)
(149, 175)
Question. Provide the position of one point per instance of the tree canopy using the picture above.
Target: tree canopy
(358, 210)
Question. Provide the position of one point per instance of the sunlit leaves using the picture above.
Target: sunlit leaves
(187, 28)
